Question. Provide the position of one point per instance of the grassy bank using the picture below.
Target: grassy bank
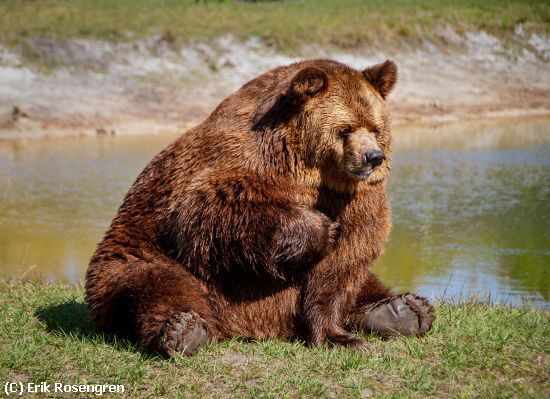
(474, 350)
(286, 25)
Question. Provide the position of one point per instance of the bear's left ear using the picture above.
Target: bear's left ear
(382, 77)
(307, 83)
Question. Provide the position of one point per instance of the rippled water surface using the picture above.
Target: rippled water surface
(471, 207)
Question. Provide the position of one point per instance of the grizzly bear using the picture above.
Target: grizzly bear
(263, 221)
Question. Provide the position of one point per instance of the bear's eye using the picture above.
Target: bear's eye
(345, 132)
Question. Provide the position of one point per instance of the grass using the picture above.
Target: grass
(474, 350)
(285, 25)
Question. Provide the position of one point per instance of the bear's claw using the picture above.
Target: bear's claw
(183, 333)
(349, 341)
(405, 314)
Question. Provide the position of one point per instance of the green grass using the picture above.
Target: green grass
(285, 25)
(473, 350)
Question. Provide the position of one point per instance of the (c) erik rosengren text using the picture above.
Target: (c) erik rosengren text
(19, 388)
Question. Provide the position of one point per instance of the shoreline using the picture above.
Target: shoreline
(149, 87)
(148, 127)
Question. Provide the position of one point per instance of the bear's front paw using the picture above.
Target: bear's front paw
(327, 235)
(183, 333)
(338, 337)
(334, 230)
(405, 314)
(348, 341)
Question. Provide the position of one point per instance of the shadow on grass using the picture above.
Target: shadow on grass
(72, 320)
(68, 318)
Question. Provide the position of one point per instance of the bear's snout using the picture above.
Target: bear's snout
(374, 158)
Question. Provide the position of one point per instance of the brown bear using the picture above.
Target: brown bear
(261, 222)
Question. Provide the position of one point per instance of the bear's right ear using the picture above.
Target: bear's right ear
(285, 97)
(307, 83)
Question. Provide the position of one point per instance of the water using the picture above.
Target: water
(471, 207)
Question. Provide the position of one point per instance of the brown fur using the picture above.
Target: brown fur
(263, 220)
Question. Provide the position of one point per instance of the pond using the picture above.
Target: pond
(470, 201)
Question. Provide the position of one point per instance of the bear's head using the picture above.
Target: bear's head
(336, 116)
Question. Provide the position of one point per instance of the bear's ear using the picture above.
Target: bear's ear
(284, 98)
(382, 77)
(307, 83)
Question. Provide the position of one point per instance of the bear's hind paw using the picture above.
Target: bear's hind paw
(183, 333)
(405, 314)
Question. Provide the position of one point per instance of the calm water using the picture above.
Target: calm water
(471, 207)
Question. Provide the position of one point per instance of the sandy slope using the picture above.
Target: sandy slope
(85, 87)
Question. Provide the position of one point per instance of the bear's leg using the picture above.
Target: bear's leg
(159, 304)
(328, 296)
(378, 310)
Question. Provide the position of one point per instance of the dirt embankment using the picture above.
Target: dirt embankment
(85, 87)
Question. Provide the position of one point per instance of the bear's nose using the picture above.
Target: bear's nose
(375, 157)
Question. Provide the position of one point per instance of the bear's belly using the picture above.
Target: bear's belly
(258, 315)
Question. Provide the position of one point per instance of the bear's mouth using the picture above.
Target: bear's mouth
(364, 172)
